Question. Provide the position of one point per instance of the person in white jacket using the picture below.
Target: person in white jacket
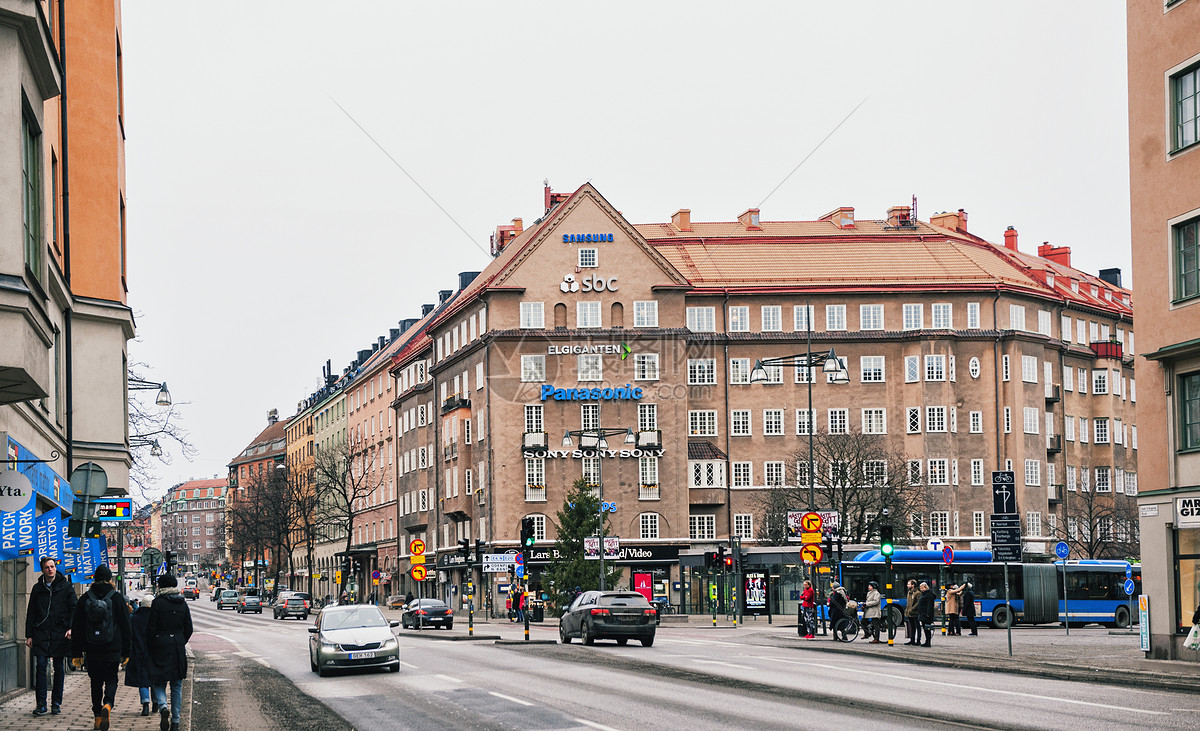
(872, 613)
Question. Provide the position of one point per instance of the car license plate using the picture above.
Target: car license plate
(361, 655)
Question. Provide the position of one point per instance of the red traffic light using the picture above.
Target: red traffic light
(729, 562)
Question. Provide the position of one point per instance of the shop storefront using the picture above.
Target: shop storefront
(1170, 527)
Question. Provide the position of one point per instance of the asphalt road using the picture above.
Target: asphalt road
(691, 678)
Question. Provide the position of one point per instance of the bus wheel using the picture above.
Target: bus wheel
(1002, 616)
(1121, 617)
(895, 616)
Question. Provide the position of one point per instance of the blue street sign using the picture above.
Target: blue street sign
(1129, 571)
(1129, 587)
(520, 571)
(1061, 549)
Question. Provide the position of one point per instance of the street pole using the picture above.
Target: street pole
(525, 588)
(121, 558)
(600, 501)
(1066, 601)
(1009, 608)
(812, 427)
(470, 600)
(887, 602)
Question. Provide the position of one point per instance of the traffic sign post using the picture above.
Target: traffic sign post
(1006, 530)
(1062, 550)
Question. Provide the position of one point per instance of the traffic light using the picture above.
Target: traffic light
(721, 559)
(528, 536)
(464, 547)
(887, 541)
(170, 559)
(728, 563)
(478, 550)
(743, 559)
(710, 559)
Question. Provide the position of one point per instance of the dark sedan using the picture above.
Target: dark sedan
(615, 615)
(421, 613)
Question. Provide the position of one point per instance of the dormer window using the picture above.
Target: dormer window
(1050, 279)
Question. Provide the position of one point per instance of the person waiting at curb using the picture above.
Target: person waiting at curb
(953, 602)
(101, 630)
(926, 607)
(872, 613)
(910, 613)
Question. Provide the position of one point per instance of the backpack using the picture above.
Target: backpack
(100, 618)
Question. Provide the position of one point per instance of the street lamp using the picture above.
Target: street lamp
(596, 439)
(164, 396)
(155, 449)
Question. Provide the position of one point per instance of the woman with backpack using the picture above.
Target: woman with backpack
(168, 630)
(101, 630)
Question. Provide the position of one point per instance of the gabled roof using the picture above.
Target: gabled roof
(269, 442)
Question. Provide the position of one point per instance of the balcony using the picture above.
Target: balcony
(1053, 393)
(455, 401)
(535, 493)
(1054, 494)
(534, 441)
(1107, 349)
(649, 439)
(1054, 444)
(648, 492)
(706, 496)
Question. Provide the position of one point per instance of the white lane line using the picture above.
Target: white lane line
(509, 698)
(410, 666)
(593, 724)
(969, 687)
(447, 677)
(726, 664)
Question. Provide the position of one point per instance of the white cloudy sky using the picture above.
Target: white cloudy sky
(268, 232)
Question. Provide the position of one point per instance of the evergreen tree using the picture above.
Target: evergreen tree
(578, 519)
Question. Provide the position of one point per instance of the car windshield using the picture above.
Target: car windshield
(357, 617)
(299, 595)
(429, 604)
(624, 600)
(228, 594)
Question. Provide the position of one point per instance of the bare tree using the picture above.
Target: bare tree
(855, 475)
(1098, 523)
(343, 477)
(150, 423)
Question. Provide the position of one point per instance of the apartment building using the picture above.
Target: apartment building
(1164, 176)
(262, 460)
(193, 520)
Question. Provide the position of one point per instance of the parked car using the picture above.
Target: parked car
(249, 603)
(617, 615)
(421, 613)
(352, 636)
(290, 606)
(395, 601)
(228, 598)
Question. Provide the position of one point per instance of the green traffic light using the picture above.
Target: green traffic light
(886, 549)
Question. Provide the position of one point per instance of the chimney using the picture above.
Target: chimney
(444, 294)
(551, 198)
(465, 278)
(955, 221)
(841, 217)
(1057, 254)
(682, 219)
(899, 216)
(393, 333)
(380, 343)
(1010, 240)
(1112, 276)
(272, 417)
(750, 219)
(962, 220)
(426, 309)
(363, 355)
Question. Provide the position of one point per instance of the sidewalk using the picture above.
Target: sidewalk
(17, 712)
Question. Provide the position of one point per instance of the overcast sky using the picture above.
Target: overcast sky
(267, 232)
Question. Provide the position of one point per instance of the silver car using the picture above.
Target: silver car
(353, 636)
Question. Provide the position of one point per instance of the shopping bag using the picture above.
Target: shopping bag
(1193, 639)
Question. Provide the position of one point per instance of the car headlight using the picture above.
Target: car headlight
(390, 644)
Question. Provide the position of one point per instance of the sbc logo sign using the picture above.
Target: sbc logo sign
(590, 283)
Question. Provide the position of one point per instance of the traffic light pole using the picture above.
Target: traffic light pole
(525, 589)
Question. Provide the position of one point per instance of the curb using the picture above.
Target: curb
(526, 642)
(451, 638)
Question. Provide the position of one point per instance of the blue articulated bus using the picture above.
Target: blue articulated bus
(1095, 590)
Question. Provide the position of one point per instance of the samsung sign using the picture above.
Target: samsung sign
(586, 238)
(621, 393)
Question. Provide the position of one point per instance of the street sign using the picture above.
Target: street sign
(375, 575)
(416, 547)
(1128, 587)
(1005, 521)
(933, 544)
(811, 537)
(114, 509)
(519, 559)
(151, 557)
(1006, 536)
(1004, 493)
(1128, 571)
(520, 571)
(811, 554)
(810, 522)
(418, 573)
(1062, 550)
(414, 560)
(1006, 553)
(495, 563)
(948, 555)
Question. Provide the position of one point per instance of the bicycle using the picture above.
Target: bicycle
(846, 629)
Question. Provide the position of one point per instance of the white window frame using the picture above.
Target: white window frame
(645, 313)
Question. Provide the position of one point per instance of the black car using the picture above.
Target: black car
(427, 613)
(616, 615)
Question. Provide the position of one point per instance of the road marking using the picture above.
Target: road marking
(410, 666)
(507, 697)
(726, 664)
(447, 677)
(593, 724)
(971, 687)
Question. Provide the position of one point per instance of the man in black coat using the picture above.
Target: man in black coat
(968, 608)
(101, 629)
(926, 607)
(48, 631)
(168, 632)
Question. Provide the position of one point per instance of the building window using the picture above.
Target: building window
(973, 315)
(870, 317)
(874, 421)
(935, 368)
(773, 472)
(1033, 524)
(802, 317)
(739, 371)
(773, 422)
(589, 417)
(648, 473)
(31, 194)
(1187, 259)
(702, 371)
(1100, 382)
(1032, 419)
(804, 421)
(701, 319)
(1100, 425)
(535, 480)
(1007, 420)
(739, 319)
(935, 418)
(977, 472)
(772, 318)
(976, 422)
(939, 472)
(645, 313)
(702, 527)
(913, 420)
(1033, 472)
(1083, 380)
(645, 367)
(533, 418)
(587, 314)
(743, 525)
(739, 423)
(647, 417)
(1189, 426)
(835, 317)
(533, 369)
(649, 525)
(943, 317)
(939, 524)
(591, 472)
(707, 473)
(839, 422)
(803, 375)
(533, 316)
(914, 317)
(912, 368)
(702, 423)
(1185, 107)
(871, 368)
(591, 367)
(743, 474)
(1016, 317)
(589, 258)
(1029, 368)
(1103, 479)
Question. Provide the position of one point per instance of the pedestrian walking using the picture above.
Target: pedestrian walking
(926, 606)
(872, 612)
(910, 613)
(48, 632)
(521, 607)
(953, 602)
(168, 631)
(137, 672)
(808, 607)
(968, 608)
(838, 606)
(100, 629)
